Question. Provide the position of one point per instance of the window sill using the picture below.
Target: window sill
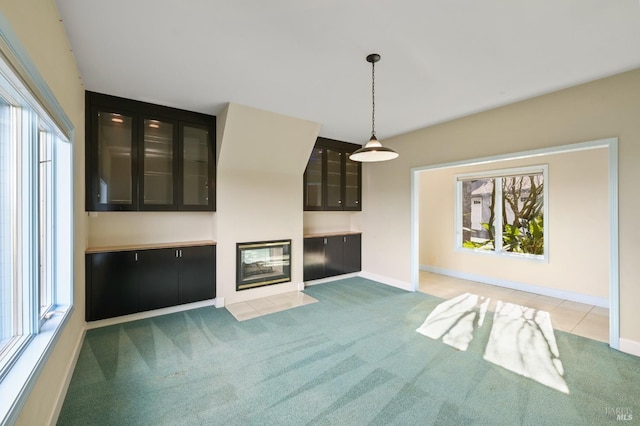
(18, 382)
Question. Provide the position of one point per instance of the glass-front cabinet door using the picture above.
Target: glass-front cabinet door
(352, 184)
(334, 179)
(113, 186)
(158, 165)
(313, 188)
(196, 167)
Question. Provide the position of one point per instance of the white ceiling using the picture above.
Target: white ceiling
(441, 59)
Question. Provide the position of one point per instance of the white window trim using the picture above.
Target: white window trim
(498, 252)
(22, 374)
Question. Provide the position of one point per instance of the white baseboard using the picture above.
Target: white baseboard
(373, 277)
(219, 302)
(330, 279)
(301, 286)
(151, 314)
(629, 346)
(545, 291)
(386, 280)
(62, 391)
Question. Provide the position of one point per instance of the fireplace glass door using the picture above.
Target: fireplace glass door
(262, 263)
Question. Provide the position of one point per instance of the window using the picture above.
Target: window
(503, 211)
(45, 226)
(35, 218)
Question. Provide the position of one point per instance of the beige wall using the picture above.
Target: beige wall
(578, 221)
(605, 108)
(123, 228)
(37, 25)
(259, 184)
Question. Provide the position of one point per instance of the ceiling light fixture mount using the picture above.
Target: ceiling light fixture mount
(373, 150)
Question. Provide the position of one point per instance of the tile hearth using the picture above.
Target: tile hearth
(268, 305)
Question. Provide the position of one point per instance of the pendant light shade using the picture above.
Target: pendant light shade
(373, 150)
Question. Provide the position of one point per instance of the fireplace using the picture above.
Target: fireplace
(262, 263)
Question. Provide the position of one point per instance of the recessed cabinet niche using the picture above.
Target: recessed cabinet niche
(142, 156)
(331, 180)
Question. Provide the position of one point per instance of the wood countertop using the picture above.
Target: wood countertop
(331, 234)
(150, 246)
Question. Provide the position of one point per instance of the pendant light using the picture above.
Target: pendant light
(373, 150)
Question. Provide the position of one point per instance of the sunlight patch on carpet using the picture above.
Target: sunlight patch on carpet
(522, 341)
(453, 321)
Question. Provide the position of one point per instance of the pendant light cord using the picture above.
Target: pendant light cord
(373, 99)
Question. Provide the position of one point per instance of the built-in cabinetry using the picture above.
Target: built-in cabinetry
(125, 280)
(331, 180)
(141, 156)
(331, 255)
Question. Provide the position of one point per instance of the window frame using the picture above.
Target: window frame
(498, 175)
(35, 108)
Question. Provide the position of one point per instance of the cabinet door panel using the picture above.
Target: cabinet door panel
(333, 252)
(158, 165)
(113, 185)
(196, 167)
(334, 179)
(314, 260)
(197, 274)
(313, 187)
(112, 285)
(352, 253)
(352, 184)
(158, 278)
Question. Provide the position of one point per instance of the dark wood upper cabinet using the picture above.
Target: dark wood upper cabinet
(331, 180)
(142, 156)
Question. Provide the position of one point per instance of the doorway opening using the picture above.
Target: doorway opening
(447, 259)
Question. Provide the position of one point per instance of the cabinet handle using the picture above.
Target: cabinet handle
(136, 256)
(344, 239)
(177, 255)
(180, 252)
(339, 201)
(325, 240)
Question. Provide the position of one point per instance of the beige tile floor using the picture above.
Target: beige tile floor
(268, 305)
(572, 317)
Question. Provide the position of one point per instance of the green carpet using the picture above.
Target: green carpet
(353, 358)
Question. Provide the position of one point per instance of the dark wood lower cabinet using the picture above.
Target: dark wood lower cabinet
(352, 254)
(332, 255)
(197, 271)
(112, 285)
(158, 278)
(125, 282)
(313, 259)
